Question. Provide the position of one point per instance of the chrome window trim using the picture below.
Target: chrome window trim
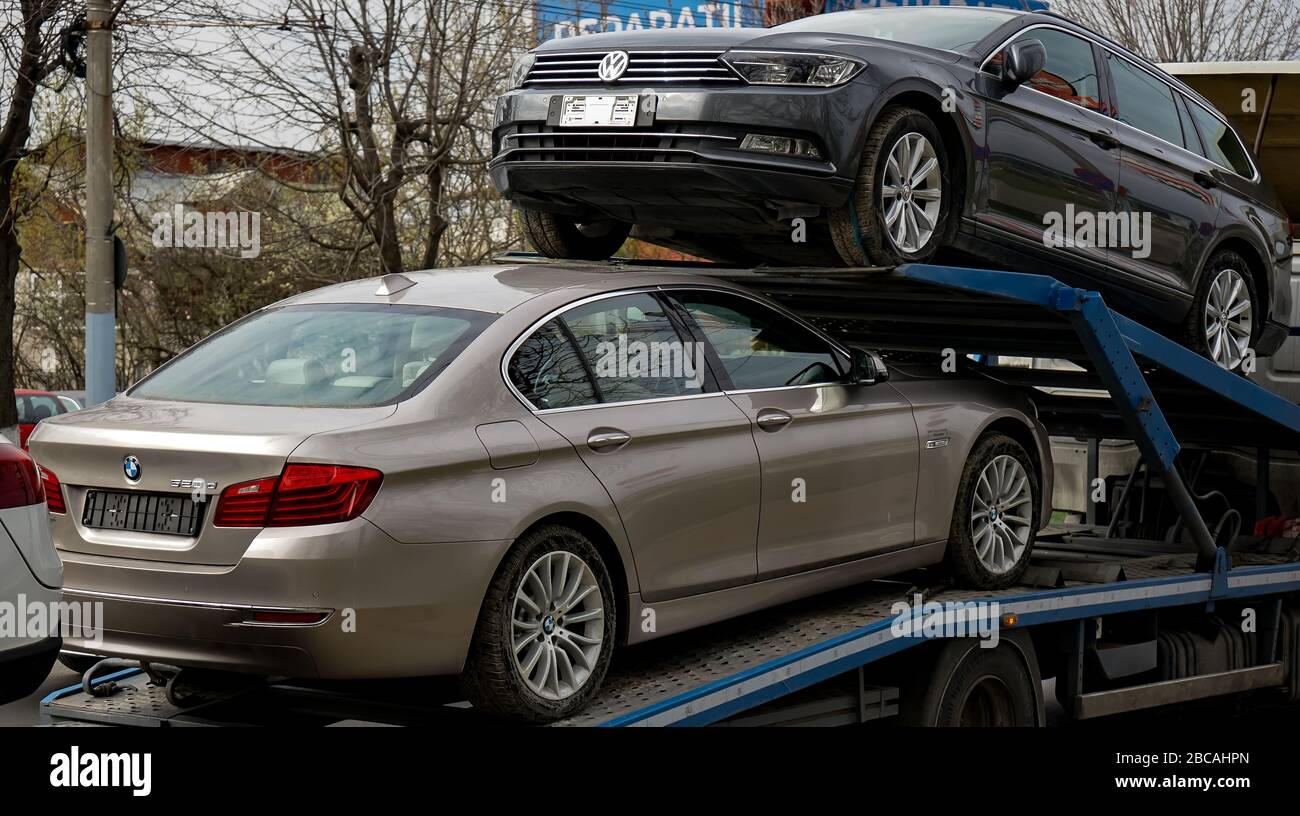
(1170, 82)
(666, 288)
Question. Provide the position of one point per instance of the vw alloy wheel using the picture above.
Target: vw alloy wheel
(1227, 319)
(911, 192)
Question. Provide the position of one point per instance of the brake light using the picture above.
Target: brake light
(300, 496)
(20, 485)
(245, 504)
(53, 491)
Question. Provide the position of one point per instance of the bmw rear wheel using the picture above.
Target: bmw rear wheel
(899, 208)
(1222, 322)
(557, 236)
(995, 517)
(546, 630)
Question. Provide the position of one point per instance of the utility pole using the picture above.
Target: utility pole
(101, 330)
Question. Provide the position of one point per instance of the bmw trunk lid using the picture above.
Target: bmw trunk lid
(174, 451)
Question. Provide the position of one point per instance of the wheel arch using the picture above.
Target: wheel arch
(621, 571)
(927, 97)
(1240, 242)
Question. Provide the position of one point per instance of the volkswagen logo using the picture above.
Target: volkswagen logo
(612, 66)
(131, 469)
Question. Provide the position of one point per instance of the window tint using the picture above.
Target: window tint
(547, 370)
(319, 355)
(760, 348)
(1070, 72)
(634, 351)
(1144, 102)
(33, 409)
(1221, 143)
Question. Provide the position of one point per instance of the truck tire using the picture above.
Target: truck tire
(995, 516)
(546, 631)
(970, 686)
(891, 218)
(556, 236)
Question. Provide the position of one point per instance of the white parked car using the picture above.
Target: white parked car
(31, 577)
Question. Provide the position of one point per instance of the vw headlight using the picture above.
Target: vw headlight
(519, 72)
(792, 68)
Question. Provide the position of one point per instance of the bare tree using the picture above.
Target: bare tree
(1195, 30)
(398, 91)
(32, 51)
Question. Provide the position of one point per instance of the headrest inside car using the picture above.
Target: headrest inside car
(295, 371)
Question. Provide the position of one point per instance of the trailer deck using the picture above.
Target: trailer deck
(1142, 386)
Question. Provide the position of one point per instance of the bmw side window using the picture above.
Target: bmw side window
(548, 371)
(1144, 102)
(760, 348)
(633, 350)
(1221, 143)
(1070, 72)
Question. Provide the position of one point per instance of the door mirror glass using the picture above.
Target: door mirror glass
(1023, 61)
(866, 367)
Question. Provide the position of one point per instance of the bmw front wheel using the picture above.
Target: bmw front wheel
(995, 517)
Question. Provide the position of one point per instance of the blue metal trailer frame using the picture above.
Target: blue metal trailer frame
(1120, 353)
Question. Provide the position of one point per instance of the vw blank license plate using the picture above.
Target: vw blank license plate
(599, 111)
(167, 513)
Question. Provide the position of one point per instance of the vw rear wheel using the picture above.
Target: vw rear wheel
(1222, 323)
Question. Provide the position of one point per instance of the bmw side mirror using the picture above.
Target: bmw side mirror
(866, 367)
(1023, 61)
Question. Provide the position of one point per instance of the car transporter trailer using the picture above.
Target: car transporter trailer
(1123, 622)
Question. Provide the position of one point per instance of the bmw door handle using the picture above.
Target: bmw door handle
(1104, 139)
(607, 440)
(770, 419)
(1205, 179)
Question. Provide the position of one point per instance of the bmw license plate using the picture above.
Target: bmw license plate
(166, 513)
(599, 111)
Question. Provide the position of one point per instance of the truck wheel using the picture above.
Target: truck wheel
(995, 517)
(970, 686)
(558, 237)
(899, 208)
(546, 631)
(1221, 324)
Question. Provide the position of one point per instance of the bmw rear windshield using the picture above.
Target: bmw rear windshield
(947, 28)
(319, 356)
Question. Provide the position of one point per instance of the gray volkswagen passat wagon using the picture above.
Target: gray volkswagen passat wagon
(1023, 140)
(503, 472)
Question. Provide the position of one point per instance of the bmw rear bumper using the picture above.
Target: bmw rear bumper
(382, 609)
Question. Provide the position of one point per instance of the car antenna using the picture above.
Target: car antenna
(392, 283)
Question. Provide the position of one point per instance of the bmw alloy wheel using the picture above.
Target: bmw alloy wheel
(1001, 511)
(911, 192)
(1227, 319)
(557, 625)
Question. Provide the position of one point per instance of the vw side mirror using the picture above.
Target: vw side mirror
(1023, 60)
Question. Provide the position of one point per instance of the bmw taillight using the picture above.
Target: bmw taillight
(20, 484)
(300, 496)
(53, 491)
